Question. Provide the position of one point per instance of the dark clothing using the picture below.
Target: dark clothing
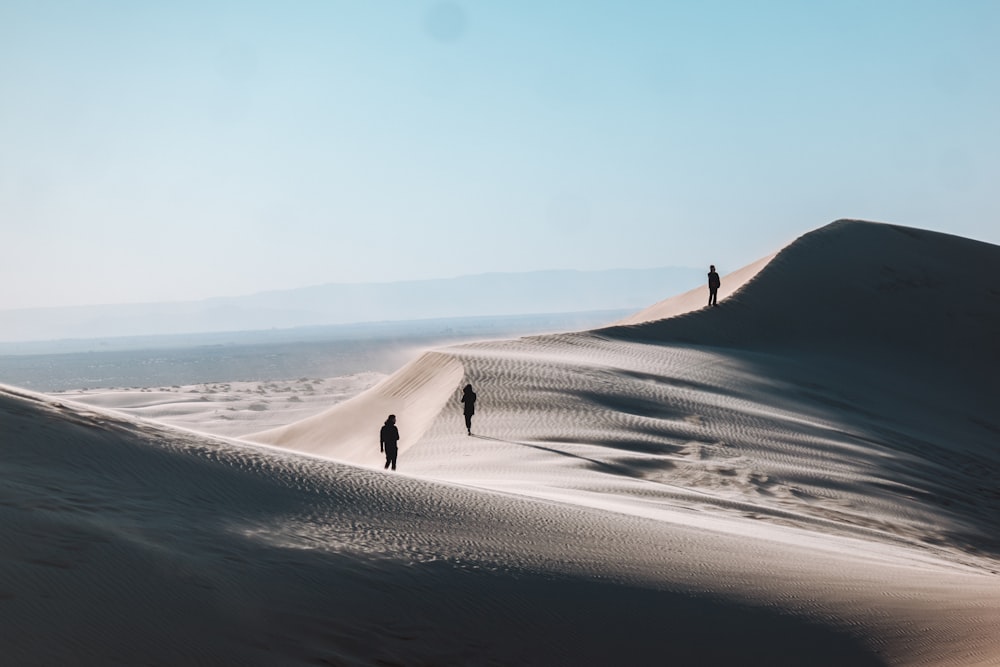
(714, 283)
(388, 436)
(469, 398)
(388, 442)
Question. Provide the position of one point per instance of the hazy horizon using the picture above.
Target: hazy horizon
(354, 284)
(156, 152)
(494, 295)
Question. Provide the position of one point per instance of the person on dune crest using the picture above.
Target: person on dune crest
(714, 283)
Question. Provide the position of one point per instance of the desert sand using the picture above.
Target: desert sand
(230, 409)
(806, 474)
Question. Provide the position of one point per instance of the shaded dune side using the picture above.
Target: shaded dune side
(894, 331)
(119, 537)
(858, 285)
(869, 404)
(349, 431)
(885, 300)
(645, 427)
(877, 300)
(903, 378)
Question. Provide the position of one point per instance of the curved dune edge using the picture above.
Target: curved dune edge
(419, 391)
(349, 431)
(698, 297)
(849, 287)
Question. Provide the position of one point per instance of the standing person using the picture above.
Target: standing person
(388, 439)
(713, 285)
(469, 398)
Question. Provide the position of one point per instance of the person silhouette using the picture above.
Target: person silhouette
(469, 399)
(388, 439)
(713, 286)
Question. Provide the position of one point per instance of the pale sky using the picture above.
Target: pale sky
(154, 151)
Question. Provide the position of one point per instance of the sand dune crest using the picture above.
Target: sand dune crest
(349, 431)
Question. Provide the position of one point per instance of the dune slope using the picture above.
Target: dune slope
(124, 543)
(855, 287)
(127, 543)
(842, 390)
(759, 483)
(350, 429)
(867, 409)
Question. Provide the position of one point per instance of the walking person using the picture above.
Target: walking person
(388, 439)
(469, 399)
(713, 286)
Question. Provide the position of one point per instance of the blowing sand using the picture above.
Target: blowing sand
(804, 475)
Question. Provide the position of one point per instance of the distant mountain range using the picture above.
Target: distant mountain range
(487, 294)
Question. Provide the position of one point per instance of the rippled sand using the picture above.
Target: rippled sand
(804, 475)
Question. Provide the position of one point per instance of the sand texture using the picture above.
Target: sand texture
(805, 475)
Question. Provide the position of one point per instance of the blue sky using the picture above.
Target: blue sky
(156, 151)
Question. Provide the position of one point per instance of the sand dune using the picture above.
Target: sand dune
(417, 393)
(855, 286)
(229, 409)
(804, 475)
(697, 298)
(120, 537)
